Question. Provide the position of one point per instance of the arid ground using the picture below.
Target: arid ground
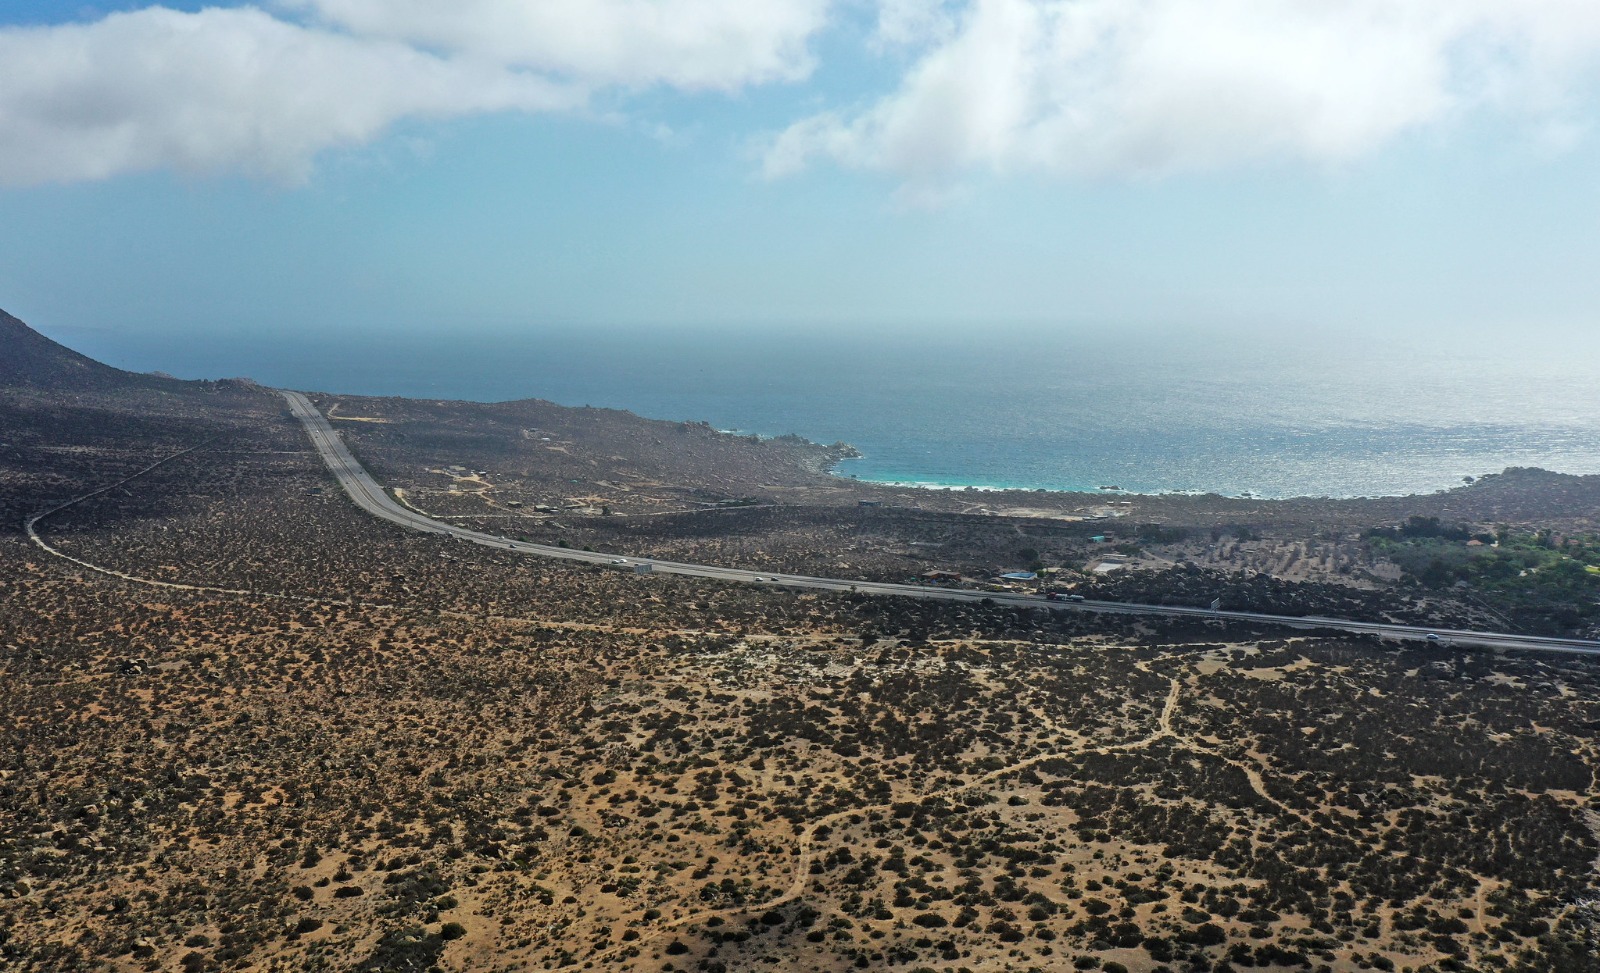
(249, 728)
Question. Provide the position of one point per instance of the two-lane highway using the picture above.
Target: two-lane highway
(371, 497)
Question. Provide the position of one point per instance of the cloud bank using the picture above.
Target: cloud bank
(1076, 88)
(688, 44)
(1131, 87)
(243, 90)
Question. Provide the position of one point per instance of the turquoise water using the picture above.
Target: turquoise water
(1149, 410)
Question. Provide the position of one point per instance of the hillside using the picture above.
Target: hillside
(29, 359)
(69, 423)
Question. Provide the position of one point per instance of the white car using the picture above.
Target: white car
(619, 560)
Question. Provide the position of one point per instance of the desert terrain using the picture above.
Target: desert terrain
(250, 728)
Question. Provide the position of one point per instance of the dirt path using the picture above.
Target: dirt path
(31, 527)
(807, 840)
(1251, 772)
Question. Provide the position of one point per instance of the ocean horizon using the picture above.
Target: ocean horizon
(1146, 410)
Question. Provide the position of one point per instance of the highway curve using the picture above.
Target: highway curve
(371, 497)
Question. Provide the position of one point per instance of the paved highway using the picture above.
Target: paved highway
(371, 497)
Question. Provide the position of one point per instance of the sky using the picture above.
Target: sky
(301, 167)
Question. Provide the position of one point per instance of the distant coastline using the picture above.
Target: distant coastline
(1107, 492)
(1075, 491)
(1073, 411)
(950, 487)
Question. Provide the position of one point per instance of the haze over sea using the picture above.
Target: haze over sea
(1146, 409)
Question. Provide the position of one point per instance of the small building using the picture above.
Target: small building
(1020, 576)
(869, 503)
(1098, 539)
(644, 569)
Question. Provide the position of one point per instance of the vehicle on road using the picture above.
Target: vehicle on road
(1434, 637)
(619, 560)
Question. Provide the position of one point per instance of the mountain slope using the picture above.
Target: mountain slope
(29, 359)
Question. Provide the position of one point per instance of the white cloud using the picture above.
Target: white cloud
(1068, 86)
(241, 90)
(1155, 86)
(221, 90)
(902, 23)
(689, 44)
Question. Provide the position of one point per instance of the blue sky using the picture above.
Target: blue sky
(375, 165)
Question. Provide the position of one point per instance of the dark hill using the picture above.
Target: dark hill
(53, 398)
(29, 359)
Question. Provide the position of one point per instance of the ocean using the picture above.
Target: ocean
(1268, 413)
